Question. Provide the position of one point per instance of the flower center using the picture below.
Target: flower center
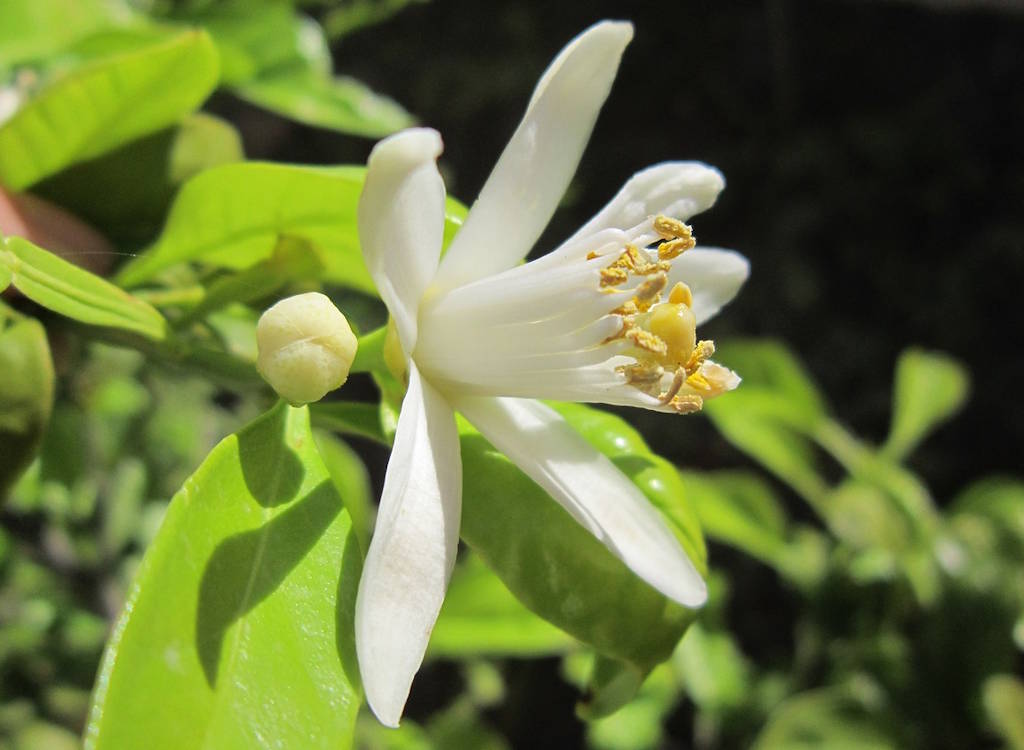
(663, 334)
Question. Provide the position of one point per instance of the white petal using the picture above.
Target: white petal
(590, 488)
(679, 189)
(529, 179)
(412, 551)
(401, 222)
(713, 275)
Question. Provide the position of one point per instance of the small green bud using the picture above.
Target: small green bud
(306, 347)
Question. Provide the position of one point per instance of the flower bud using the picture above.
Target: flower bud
(306, 347)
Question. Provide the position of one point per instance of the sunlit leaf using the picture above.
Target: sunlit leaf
(238, 631)
(739, 509)
(32, 30)
(338, 103)
(481, 617)
(233, 216)
(74, 292)
(104, 104)
(26, 396)
(351, 480)
(930, 388)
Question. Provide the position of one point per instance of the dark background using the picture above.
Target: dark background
(875, 181)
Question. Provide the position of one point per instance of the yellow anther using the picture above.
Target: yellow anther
(613, 276)
(671, 229)
(674, 248)
(651, 289)
(687, 403)
(703, 351)
(647, 341)
(681, 295)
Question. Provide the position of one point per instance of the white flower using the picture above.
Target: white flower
(483, 334)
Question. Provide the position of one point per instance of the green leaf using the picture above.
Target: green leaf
(930, 388)
(337, 103)
(33, 30)
(1003, 697)
(257, 36)
(26, 396)
(769, 368)
(557, 568)
(126, 193)
(481, 617)
(104, 104)
(233, 216)
(238, 631)
(359, 14)
(291, 260)
(739, 509)
(823, 718)
(349, 418)
(74, 292)
(714, 671)
(351, 480)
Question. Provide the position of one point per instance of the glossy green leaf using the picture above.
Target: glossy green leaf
(104, 104)
(32, 30)
(126, 193)
(930, 388)
(337, 103)
(74, 292)
(739, 509)
(481, 617)
(239, 629)
(232, 216)
(557, 568)
(26, 396)
(1003, 698)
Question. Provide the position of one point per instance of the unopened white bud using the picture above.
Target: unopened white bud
(306, 347)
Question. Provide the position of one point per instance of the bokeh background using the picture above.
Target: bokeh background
(875, 180)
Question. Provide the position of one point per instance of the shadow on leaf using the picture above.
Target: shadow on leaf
(246, 568)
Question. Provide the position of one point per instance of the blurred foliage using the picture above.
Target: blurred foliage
(886, 617)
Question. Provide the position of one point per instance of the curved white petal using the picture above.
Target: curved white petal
(590, 488)
(412, 551)
(679, 189)
(713, 275)
(533, 172)
(401, 222)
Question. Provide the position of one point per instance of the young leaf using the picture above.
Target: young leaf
(929, 389)
(823, 718)
(104, 104)
(233, 216)
(1003, 696)
(26, 396)
(238, 631)
(74, 292)
(350, 418)
(481, 617)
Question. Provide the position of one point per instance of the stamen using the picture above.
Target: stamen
(612, 276)
(687, 403)
(646, 340)
(671, 229)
